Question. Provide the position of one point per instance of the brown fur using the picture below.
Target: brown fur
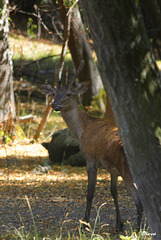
(105, 146)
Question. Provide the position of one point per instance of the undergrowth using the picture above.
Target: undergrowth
(88, 234)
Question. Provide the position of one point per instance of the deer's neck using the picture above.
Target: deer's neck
(75, 118)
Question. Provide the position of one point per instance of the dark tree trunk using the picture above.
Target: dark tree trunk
(80, 49)
(6, 85)
(132, 80)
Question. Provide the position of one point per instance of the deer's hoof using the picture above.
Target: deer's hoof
(119, 226)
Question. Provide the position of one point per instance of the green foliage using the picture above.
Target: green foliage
(23, 113)
(142, 235)
(1, 133)
(31, 28)
(19, 132)
(67, 3)
(6, 136)
(98, 104)
(21, 233)
(96, 99)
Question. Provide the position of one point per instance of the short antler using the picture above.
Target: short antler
(57, 68)
(79, 69)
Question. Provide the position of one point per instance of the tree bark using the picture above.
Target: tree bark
(131, 78)
(6, 84)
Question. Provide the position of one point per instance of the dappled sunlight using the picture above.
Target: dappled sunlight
(22, 158)
(52, 176)
(158, 64)
(25, 48)
(57, 197)
(32, 150)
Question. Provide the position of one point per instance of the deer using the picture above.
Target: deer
(100, 145)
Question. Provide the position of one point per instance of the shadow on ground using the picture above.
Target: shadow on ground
(57, 198)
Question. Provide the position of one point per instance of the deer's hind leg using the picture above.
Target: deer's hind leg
(134, 193)
(119, 222)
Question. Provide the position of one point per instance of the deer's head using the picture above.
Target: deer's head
(63, 93)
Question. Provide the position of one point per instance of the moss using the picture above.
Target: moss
(96, 102)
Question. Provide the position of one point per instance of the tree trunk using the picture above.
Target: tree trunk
(80, 49)
(132, 80)
(6, 85)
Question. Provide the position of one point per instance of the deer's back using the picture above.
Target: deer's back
(103, 146)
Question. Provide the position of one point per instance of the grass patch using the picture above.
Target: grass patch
(35, 60)
(27, 49)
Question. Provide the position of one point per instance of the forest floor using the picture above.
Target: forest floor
(57, 198)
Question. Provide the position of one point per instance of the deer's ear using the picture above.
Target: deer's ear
(46, 88)
(82, 87)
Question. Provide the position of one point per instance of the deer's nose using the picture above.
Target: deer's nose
(56, 106)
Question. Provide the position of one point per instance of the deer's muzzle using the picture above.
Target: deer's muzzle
(56, 106)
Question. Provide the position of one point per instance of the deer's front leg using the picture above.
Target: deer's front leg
(134, 193)
(92, 177)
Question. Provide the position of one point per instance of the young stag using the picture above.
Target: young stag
(100, 145)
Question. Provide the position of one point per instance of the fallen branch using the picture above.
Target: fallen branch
(44, 120)
(25, 119)
(42, 59)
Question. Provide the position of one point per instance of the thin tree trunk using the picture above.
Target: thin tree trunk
(6, 84)
(64, 49)
(132, 80)
(80, 49)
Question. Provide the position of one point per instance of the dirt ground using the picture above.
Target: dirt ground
(57, 198)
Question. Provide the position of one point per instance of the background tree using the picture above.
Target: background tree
(80, 49)
(131, 78)
(6, 85)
